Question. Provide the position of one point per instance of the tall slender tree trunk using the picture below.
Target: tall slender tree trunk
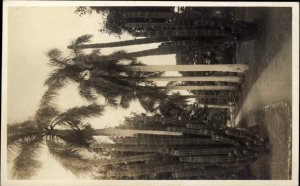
(143, 53)
(136, 158)
(180, 25)
(145, 170)
(203, 96)
(128, 148)
(217, 106)
(203, 172)
(205, 151)
(207, 87)
(171, 141)
(233, 79)
(139, 41)
(159, 119)
(166, 15)
(200, 44)
(240, 68)
(130, 132)
(199, 33)
(215, 159)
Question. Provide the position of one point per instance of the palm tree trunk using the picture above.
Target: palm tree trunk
(205, 151)
(217, 106)
(136, 158)
(207, 87)
(215, 159)
(166, 15)
(203, 96)
(146, 170)
(203, 132)
(143, 53)
(210, 172)
(121, 43)
(163, 120)
(130, 132)
(199, 33)
(221, 44)
(240, 68)
(233, 79)
(170, 141)
(180, 25)
(128, 148)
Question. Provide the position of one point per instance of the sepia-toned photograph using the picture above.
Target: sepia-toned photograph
(130, 91)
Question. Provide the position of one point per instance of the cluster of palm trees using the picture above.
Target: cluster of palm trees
(120, 83)
(156, 147)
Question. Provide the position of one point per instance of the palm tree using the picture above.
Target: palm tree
(240, 68)
(105, 78)
(110, 63)
(27, 137)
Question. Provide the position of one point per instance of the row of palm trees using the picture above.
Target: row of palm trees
(182, 40)
(185, 151)
(93, 60)
(119, 84)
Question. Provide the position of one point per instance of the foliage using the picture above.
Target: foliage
(69, 157)
(114, 22)
(26, 163)
(106, 78)
(73, 117)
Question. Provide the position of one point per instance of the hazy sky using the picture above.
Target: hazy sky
(32, 31)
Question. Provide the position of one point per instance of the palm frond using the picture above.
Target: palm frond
(21, 131)
(69, 157)
(76, 114)
(56, 59)
(80, 138)
(59, 77)
(111, 101)
(96, 52)
(83, 39)
(147, 103)
(121, 55)
(77, 52)
(125, 101)
(26, 163)
(48, 96)
(44, 115)
(86, 91)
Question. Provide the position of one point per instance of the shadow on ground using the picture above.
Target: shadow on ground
(266, 96)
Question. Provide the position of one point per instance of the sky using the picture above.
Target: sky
(32, 31)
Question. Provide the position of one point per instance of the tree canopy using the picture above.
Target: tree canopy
(114, 22)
